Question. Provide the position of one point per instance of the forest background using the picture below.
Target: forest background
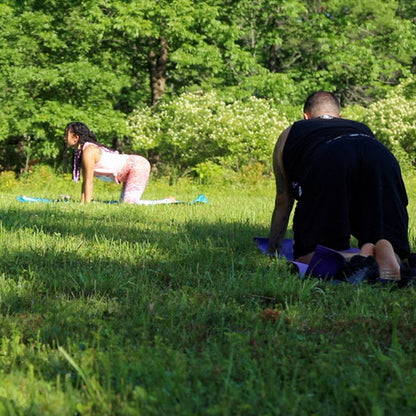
(199, 87)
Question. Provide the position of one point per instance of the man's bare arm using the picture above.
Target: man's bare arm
(284, 200)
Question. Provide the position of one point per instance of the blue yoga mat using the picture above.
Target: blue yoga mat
(24, 198)
(199, 199)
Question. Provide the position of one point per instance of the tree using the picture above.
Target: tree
(98, 60)
(357, 47)
(187, 44)
(53, 72)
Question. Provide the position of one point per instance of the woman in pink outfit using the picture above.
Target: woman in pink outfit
(97, 160)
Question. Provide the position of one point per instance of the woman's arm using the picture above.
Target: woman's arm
(90, 156)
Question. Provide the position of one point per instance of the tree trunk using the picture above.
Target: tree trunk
(273, 58)
(157, 68)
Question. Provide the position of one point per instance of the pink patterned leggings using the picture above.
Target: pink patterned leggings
(134, 176)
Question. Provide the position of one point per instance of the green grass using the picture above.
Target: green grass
(164, 310)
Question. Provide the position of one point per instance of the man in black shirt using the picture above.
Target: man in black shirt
(345, 183)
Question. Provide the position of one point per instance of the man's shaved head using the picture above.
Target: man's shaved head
(320, 103)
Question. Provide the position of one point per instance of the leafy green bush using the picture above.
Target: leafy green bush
(39, 174)
(7, 180)
(197, 128)
(209, 172)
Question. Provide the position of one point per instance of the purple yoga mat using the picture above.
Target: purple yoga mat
(324, 263)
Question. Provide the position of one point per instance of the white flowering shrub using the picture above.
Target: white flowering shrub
(196, 128)
(393, 121)
(144, 126)
(204, 133)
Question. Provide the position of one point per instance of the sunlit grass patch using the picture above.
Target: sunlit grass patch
(121, 309)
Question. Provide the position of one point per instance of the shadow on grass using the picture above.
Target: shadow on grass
(99, 270)
(171, 303)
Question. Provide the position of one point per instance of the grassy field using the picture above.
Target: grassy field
(171, 310)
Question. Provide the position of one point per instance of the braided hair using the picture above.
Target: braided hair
(85, 135)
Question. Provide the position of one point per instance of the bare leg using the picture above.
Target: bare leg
(306, 259)
(366, 250)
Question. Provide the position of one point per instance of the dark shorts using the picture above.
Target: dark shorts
(352, 186)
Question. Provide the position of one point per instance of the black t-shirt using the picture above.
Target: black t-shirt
(306, 136)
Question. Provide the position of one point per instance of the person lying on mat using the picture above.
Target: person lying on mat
(95, 159)
(346, 183)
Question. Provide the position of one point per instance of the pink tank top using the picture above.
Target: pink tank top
(110, 164)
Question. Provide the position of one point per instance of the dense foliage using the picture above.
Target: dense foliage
(98, 61)
(199, 129)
